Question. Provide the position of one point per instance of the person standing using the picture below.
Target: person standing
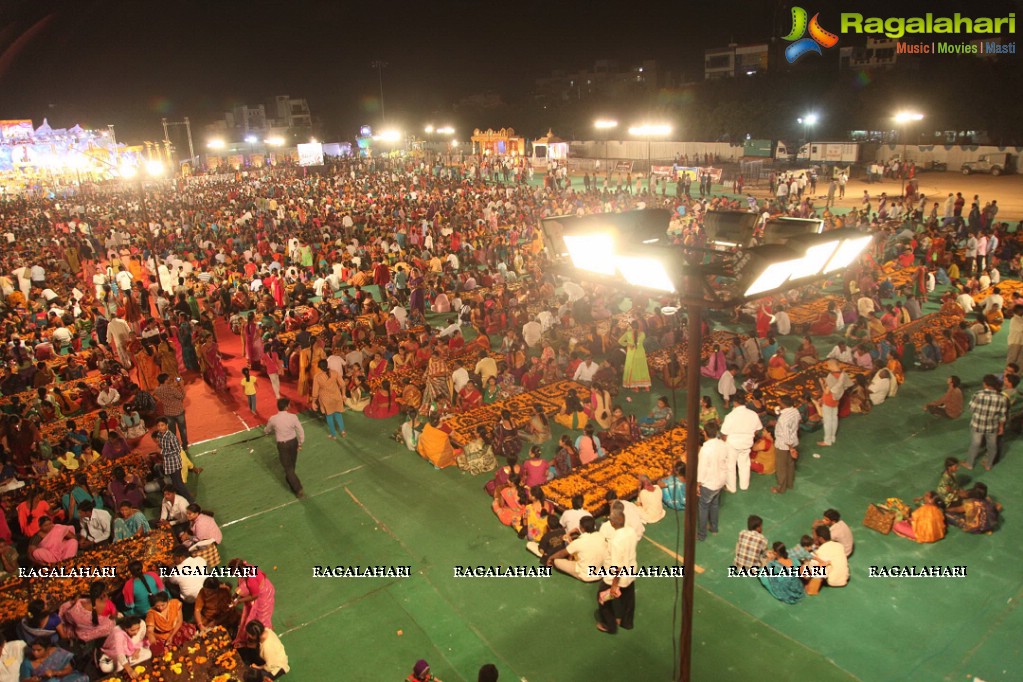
(616, 594)
(171, 396)
(248, 383)
(710, 479)
(170, 453)
(834, 386)
(786, 440)
(329, 394)
(288, 432)
(1016, 335)
(990, 410)
(637, 373)
(739, 429)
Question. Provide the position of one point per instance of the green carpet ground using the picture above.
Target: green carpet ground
(371, 502)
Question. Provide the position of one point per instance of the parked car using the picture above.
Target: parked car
(995, 164)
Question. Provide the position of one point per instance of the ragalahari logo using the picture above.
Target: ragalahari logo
(818, 36)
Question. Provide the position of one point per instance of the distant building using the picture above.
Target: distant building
(735, 60)
(878, 53)
(288, 118)
(604, 79)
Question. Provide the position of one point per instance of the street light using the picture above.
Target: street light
(650, 131)
(216, 143)
(606, 124)
(275, 141)
(446, 130)
(389, 136)
(613, 247)
(905, 118)
(808, 122)
(154, 168)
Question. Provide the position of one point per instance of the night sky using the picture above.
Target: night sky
(96, 62)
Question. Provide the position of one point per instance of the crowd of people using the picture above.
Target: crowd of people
(329, 280)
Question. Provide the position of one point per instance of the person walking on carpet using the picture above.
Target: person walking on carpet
(288, 432)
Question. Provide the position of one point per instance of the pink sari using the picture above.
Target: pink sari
(262, 609)
(56, 546)
(715, 366)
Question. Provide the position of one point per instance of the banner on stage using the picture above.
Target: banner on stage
(310, 154)
(15, 129)
(623, 166)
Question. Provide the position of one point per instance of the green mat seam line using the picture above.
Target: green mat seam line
(336, 609)
(770, 627)
(994, 626)
(289, 502)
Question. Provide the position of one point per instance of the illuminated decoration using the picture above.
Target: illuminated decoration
(503, 142)
(310, 154)
(550, 147)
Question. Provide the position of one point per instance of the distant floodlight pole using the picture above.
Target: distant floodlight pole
(380, 65)
(905, 118)
(808, 121)
(607, 125)
(650, 131)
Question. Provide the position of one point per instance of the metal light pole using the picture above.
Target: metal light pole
(380, 65)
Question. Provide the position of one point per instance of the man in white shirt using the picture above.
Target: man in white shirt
(460, 377)
(532, 332)
(711, 476)
(840, 530)
(189, 576)
(786, 440)
(993, 299)
(571, 518)
(965, 302)
(726, 384)
(589, 550)
(865, 305)
(173, 508)
(620, 608)
(841, 352)
(739, 428)
(633, 517)
(782, 322)
(12, 654)
(831, 555)
(95, 525)
(586, 370)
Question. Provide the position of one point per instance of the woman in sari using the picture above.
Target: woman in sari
(715, 365)
(305, 381)
(777, 367)
(658, 420)
(534, 469)
(477, 456)
(859, 396)
(138, 588)
(124, 648)
(377, 367)
(572, 415)
(469, 398)
(165, 624)
(538, 428)
(637, 374)
(384, 403)
(786, 588)
(88, 618)
(256, 594)
(566, 458)
(976, 513)
(826, 324)
(123, 487)
(438, 381)
(507, 440)
(806, 354)
(620, 432)
(599, 406)
(411, 397)
(509, 504)
(146, 365)
(491, 392)
(81, 492)
(926, 523)
(252, 341)
(49, 662)
(763, 454)
(214, 374)
(995, 318)
(214, 607)
(708, 412)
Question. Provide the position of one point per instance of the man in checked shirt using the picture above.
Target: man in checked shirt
(170, 452)
(990, 409)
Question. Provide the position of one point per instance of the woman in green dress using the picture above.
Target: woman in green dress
(637, 374)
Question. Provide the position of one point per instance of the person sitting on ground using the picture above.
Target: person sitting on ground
(214, 606)
(477, 456)
(950, 405)
(165, 624)
(926, 524)
(786, 588)
(659, 419)
(435, 444)
(831, 555)
(840, 530)
(582, 556)
(131, 523)
(673, 488)
(124, 648)
(949, 491)
(649, 500)
(751, 549)
(976, 513)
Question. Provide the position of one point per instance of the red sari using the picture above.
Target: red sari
(382, 405)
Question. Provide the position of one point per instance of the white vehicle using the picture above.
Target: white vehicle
(995, 164)
(821, 152)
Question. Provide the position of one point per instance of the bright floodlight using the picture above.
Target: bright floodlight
(908, 117)
(454, 143)
(275, 141)
(154, 168)
(388, 136)
(605, 124)
(650, 130)
(648, 273)
(446, 130)
(428, 130)
(809, 120)
(773, 277)
(814, 261)
(251, 139)
(216, 143)
(847, 252)
(128, 171)
(592, 252)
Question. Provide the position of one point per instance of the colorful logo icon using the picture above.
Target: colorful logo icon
(818, 36)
